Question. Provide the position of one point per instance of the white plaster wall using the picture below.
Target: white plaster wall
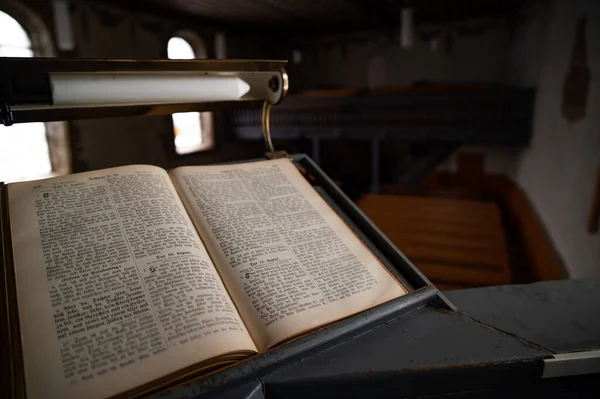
(558, 170)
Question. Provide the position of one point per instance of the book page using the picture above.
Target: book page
(288, 260)
(115, 288)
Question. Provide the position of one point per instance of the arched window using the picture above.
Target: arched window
(193, 130)
(24, 153)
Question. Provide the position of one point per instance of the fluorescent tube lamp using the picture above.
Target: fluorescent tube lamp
(89, 89)
(49, 89)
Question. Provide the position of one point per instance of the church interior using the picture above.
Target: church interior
(454, 145)
(465, 130)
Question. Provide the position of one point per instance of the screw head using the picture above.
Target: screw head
(274, 83)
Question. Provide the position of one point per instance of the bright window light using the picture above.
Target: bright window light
(24, 151)
(187, 126)
(179, 49)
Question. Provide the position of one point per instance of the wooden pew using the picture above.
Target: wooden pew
(456, 243)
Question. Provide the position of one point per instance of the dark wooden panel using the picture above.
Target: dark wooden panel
(455, 274)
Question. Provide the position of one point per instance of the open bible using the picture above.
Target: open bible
(130, 279)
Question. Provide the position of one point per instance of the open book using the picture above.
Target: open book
(130, 278)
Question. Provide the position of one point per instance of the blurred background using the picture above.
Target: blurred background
(467, 130)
